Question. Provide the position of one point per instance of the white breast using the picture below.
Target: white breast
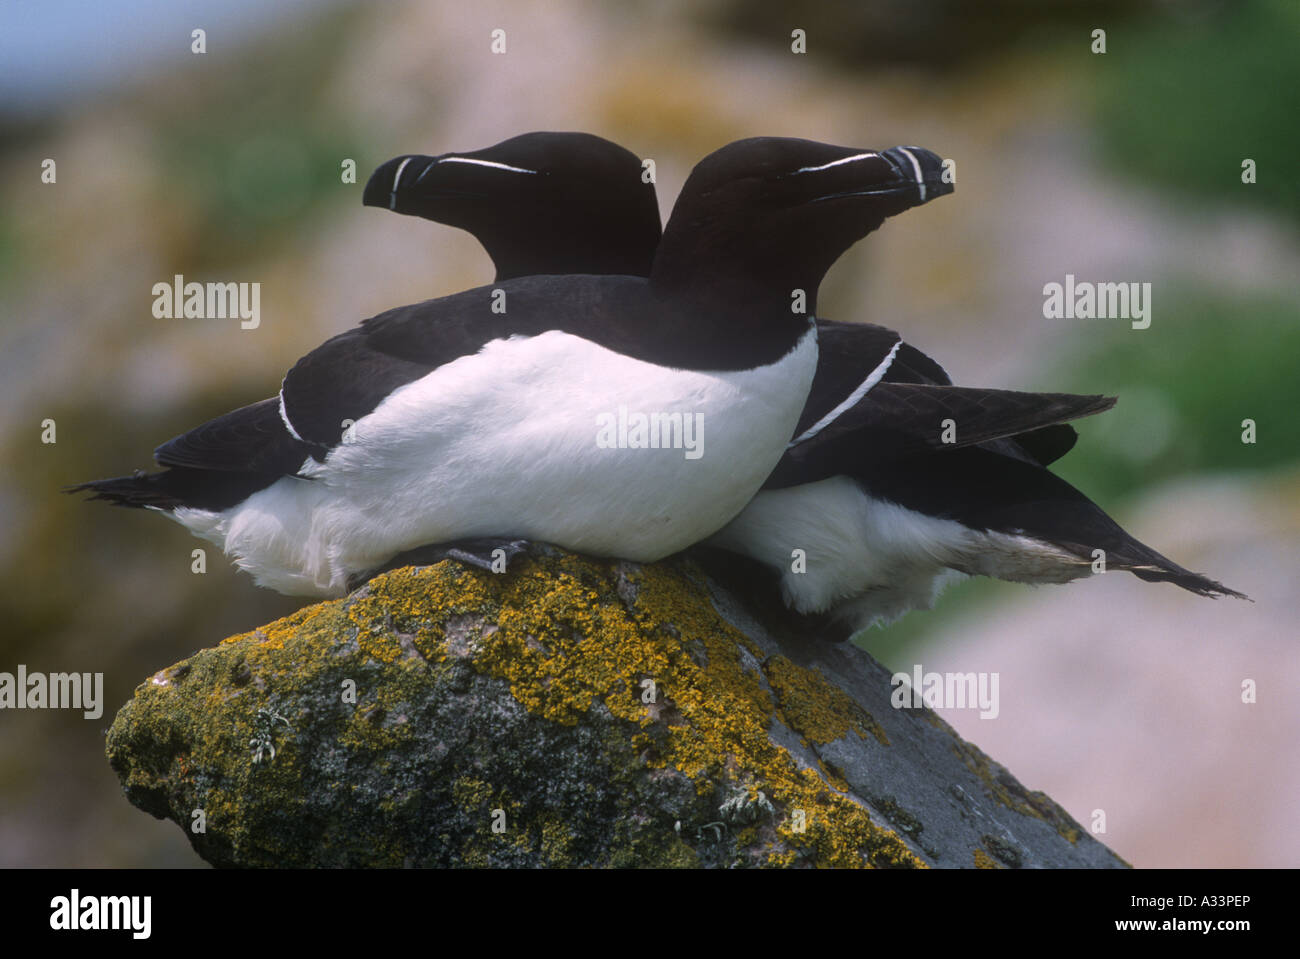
(505, 442)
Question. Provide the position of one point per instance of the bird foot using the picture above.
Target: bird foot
(490, 554)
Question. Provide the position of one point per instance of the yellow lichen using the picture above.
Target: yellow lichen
(1007, 791)
(562, 648)
(815, 708)
(984, 861)
(566, 634)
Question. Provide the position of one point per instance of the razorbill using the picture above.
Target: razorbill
(453, 420)
(539, 203)
(875, 507)
(858, 539)
(886, 496)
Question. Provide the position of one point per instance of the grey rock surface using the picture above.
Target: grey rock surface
(570, 712)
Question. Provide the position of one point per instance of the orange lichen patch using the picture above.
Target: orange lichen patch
(815, 708)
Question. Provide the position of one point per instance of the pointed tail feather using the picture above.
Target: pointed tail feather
(987, 490)
(1146, 564)
(139, 491)
(174, 488)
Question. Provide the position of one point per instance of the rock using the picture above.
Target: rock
(570, 712)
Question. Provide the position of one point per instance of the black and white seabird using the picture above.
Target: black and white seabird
(447, 421)
(862, 539)
(539, 203)
(882, 510)
(876, 507)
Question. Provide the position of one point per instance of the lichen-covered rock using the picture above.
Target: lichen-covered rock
(570, 712)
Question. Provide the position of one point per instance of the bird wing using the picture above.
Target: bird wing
(252, 439)
(897, 419)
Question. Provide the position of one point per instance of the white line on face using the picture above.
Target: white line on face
(827, 166)
(489, 163)
(397, 178)
(916, 168)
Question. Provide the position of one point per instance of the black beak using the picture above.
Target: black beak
(391, 181)
(921, 170)
(915, 176)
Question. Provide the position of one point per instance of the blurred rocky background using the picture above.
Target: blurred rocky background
(1117, 695)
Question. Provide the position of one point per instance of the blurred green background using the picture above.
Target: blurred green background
(1122, 166)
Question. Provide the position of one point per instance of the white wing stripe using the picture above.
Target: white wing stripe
(863, 388)
(284, 415)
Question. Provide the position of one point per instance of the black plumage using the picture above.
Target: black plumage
(993, 478)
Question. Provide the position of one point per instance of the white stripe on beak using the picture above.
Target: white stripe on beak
(916, 167)
(392, 205)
